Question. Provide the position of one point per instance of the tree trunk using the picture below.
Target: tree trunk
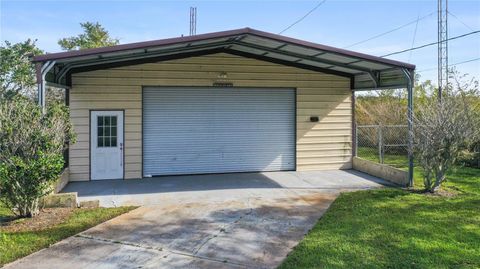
(28, 208)
(438, 181)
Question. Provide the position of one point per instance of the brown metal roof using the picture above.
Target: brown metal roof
(183, 39)
(366, 70)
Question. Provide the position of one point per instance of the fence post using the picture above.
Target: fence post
(380, 143)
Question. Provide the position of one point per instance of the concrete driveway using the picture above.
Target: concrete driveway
(248, 220)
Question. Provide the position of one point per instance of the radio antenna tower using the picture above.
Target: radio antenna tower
(442, 47)
(193, 20)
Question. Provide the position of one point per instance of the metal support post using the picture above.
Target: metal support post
(41, 83)
(355, 153)
(354, 127)
(409, 75)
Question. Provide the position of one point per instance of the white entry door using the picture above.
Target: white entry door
(106, 145)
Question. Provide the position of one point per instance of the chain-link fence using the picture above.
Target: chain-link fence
(387, 144)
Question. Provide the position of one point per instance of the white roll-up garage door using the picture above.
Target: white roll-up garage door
(217, 130)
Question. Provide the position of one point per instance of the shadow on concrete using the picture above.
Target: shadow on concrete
(309, 180)
(181, 183)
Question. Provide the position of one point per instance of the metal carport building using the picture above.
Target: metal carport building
(271, 103)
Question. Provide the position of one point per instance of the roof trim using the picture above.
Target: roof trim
(136, 45)
(230, 33)
(331, 49)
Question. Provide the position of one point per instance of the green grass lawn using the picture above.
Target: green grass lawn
(14, 245)
(395, 228)
(399, 160)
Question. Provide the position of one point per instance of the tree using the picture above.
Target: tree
(17, 73)
(31, 151)
(442, 130)
(94, 36)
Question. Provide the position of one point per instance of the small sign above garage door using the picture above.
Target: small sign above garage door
(217, 130)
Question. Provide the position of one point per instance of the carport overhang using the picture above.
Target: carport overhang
(366, 72)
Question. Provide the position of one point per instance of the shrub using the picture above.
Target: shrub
(31, 151)
(443, 130)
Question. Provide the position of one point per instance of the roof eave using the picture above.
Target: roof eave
(331, 49)
(136, 45)
(222, 34)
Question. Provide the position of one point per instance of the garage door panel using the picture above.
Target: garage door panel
(218, 130)
(214, 162)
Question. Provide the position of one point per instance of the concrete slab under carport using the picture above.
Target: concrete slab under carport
(248, 220)
(218, 187)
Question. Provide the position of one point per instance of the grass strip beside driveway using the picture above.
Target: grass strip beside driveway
(395, 228)
(14, 245)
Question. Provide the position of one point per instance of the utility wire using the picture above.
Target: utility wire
(413, 40)
(463, 62)
(303, 17)
(458, 19)
(431, 44)
(390, 31)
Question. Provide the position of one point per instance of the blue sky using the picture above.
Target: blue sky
(337, 23)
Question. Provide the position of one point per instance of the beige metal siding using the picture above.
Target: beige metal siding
(322, 145)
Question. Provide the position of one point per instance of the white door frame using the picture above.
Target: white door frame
(116, 154)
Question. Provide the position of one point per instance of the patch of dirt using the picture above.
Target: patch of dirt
(443, 193)
(448, 193)
(47, 218)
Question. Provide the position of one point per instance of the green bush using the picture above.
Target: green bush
(443, 129)
(31, 151)
(469, 158)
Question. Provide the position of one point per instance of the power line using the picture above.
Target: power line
(431, 44)
(413, 40)
(303, 17)
(390, 31)
(458, 19)
(459, 63)
(467, 61)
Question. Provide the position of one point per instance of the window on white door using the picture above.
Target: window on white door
(107, 131)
